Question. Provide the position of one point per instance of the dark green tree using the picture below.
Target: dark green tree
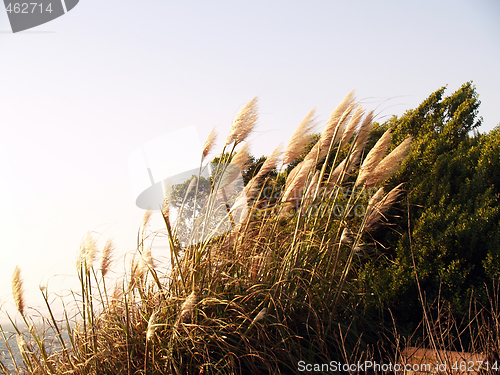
(452, 207)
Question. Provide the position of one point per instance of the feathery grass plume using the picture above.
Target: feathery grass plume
(242, 157)
(252, 187)
(260, 316)
(270, 163)
(135, 274)
(333, 128)
(364, 131)
(209, 143)
(390, 164)
(115, 298)
(229, 175)
(165, 209)
(374, 157)
(21, 344)
(293, 193)
(18, 290)
(352, 125)
(145, 219)
(300, 138)
(89, 251)
(375, 199)
(243, 123)
(152, 326)
(352, 161)
(311, 186)
(107, 254)
(240, 207)
(187, 308)
(293, 173)
(346, 237)
(377, 207)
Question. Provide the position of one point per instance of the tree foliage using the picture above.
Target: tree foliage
(452, 208)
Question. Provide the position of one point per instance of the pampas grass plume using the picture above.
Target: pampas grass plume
(187, 307)
(243, 123)
(377, 207)
(90, 248)
(352, 125)
(270, 163)
(209, 143)
(242, 157)
(390, 164)
(299, 138)
(152, 326)
(17, 290)
(296, 185)
(364, 131)
(260, 316)
(374, 157)
(146, 218)
(345, 238)
(107, 254)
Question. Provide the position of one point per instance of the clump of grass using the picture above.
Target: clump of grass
(278, 286)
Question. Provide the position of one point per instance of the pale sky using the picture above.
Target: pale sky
(79, 94)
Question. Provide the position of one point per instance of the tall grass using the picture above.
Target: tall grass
(279, 286)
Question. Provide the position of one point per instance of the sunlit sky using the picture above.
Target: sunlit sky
(79, 94)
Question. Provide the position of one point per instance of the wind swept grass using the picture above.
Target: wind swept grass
(280, 285)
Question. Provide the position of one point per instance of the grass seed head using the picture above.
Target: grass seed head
(18, 290)
(300, 138)
(244, 123)
(377, 207)
(242, 157)
(374, 157)
(260, 316)
(188, 306)
(152, 326)
(390, 164)
(107, 254)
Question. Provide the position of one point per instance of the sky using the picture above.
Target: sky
(80, 94)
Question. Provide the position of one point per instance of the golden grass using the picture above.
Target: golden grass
(281, 285)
